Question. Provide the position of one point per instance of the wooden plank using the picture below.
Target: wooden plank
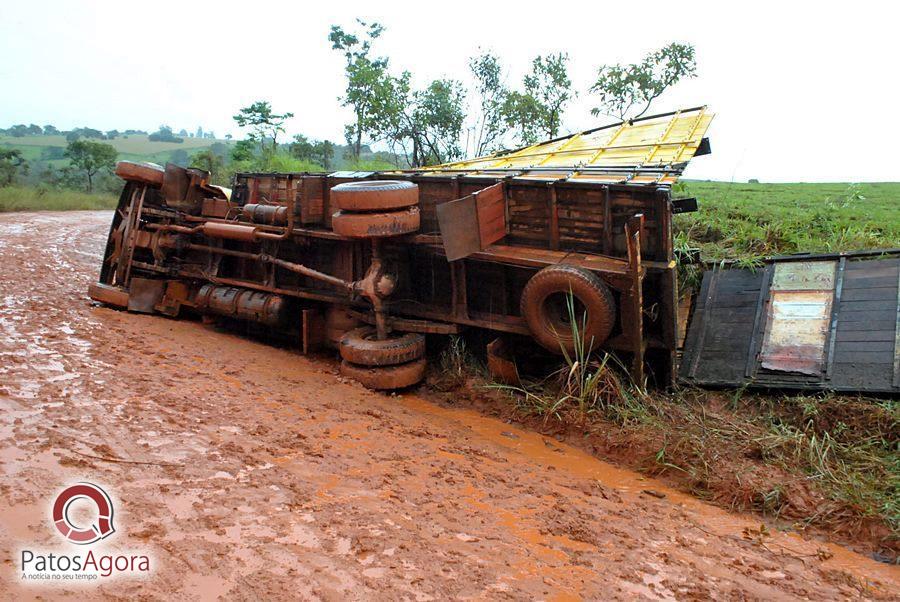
(553, 209)
(865, 306)
(869, 317)
(895, 380)
(849, 336)
(866, 357)
(869, 346)
(704, 324)
(881, 293)
(490, 207)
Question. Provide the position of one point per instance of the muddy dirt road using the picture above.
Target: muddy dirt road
(249, 471)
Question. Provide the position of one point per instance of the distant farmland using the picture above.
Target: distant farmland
(134, 147)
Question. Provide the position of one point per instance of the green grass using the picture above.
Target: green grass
(23, 198)
(743, 221)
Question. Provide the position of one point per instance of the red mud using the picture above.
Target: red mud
(252, 472)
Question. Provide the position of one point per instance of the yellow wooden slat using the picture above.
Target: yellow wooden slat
(663, 140)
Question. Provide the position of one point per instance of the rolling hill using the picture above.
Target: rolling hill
(135, 147)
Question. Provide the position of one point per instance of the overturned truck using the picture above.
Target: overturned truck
(370, 262)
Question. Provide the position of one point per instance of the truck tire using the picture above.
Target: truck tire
(145, 173)
(384, 378)
(375, 195)
(360, 346)
(376, 225)
(544, 306)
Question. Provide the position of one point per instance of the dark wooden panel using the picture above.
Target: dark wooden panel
(859, 376)
(885, 316)
(721, 334)
(881, 293)
(886, 346)
(848, 307)
(875, 334)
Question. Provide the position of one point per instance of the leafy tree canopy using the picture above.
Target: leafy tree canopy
(263, 122)
(11, 161)
(91, 158)
(624, 89)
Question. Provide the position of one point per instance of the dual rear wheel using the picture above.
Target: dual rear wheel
(396, 362)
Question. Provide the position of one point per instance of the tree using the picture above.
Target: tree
(11, 161)
(368, 82)
(424, 125)
(164, 134)
(549, 84)
(50, 130)
(437, 120)
(490, 124)
(180, 157)
(112, 134)
(302, 148)
(243, 150)
(321, 152)
(209, 161)
(536, 113)
(324, 153)
(522, 114)
(622, 88)
(91, 158)
(263, 123)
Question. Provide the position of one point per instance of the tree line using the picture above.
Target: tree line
(439, 122)
(434, 124)
(164, 133)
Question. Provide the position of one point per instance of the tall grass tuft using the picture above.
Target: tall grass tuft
(586, 384)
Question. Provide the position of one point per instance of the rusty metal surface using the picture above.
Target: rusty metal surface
(277, 238)
(500, 363)
(799, 316)
(459, 228)
(472, 223)
(815, 322)
(144, 294)
(109, 295)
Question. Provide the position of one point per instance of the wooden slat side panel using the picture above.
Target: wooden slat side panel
(490, 205)
(721, 330)
(865, 339)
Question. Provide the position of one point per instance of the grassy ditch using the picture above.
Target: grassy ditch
(827, 464)
(26, 198)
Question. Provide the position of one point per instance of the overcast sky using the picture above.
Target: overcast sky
(802, 91)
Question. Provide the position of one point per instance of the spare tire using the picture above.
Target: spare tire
(145, 173)
(545, 308)
(360, 346)
(376, 225)
(374, 195)
(386, 377)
